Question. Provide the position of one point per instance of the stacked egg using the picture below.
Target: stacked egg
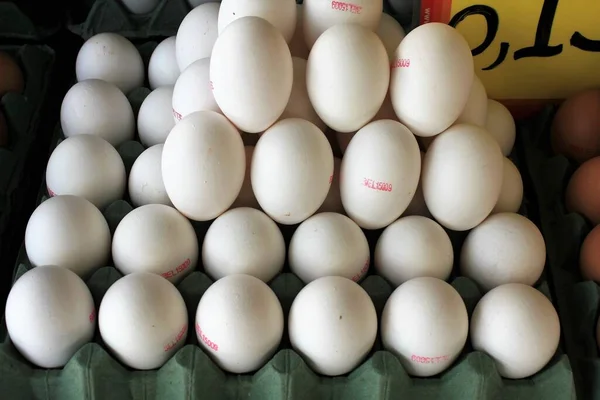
(424, 157)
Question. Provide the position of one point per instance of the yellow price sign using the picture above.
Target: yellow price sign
(527, 49)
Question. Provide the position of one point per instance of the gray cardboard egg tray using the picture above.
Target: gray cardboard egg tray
(22, 113)
(191, 374)
(578, 300)
(15, 24)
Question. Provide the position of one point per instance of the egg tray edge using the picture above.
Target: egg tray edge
(16, 25)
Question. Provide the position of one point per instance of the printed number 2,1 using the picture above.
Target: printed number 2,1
(541, 46)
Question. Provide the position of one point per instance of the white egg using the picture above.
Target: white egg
(333, 325)
(246, 197)
(292, 170)
(193, 91)
(347, 76)
(425, 324)
(379, 173)
(299, 105)
(89, 167)
(511, 194)
(343, 140)
(111, 58)
(50, 315)
(505, 248)
(140, 6)
(239, 323)
(297, 45)
(155, 119)
(203, 165)
(320, 15)
(243, 241)
(413, 247)
(70, 232)
(329, 244)
(431, 78)
(462, 176)
(251, 50)
(518, 327)
(158, 239)
(333, 201)
(95, 107)
(143, 320)
(501, 125)
(197, 34)
(280, 13)
(146, 184)
(417, 205)
(475, 111)
(391, 34)
(163, 69)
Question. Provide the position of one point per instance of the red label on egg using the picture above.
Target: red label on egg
(50, 192)
(330, 178)
(92, 316)
(177, 339)
(179, 269)
(362, 271)
(177, 115)
(210, 84)
(376, 185)
(428, 360)
(349, 7)
(400, 63)
(212, 345)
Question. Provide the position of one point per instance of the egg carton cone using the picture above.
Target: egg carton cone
(30, 19)
(578, 299)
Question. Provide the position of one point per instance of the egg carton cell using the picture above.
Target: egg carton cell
(576, 294)
(30, 19)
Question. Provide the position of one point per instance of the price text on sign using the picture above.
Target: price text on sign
(534, 49)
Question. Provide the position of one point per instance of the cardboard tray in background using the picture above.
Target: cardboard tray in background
(578, 300)
(191, 374)
(31, 20)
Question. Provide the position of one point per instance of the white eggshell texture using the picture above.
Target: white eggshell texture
(95, 107)
(333, 324)
(111, 58)
(197, 34)
(70, 232)
(333, 201)
(431, 78)
(505, 248)
(50, 315)
(163, 69)
(518, 327)
(347, 76)
(280, 13)
(379, 174)
(413, 247)
(501, 125)
(203, 165)
(292, 170)
(425, 324)
(155, 238)
(391, 34)
(193, 90)
(239, 323)
(475, 111)
(146, 184)
(143, 320)
(511, 194)
(252, 74)
(89, 167)
(243, 241)
(329, 244)
(462, 176)
(321, 15)
(155, 119)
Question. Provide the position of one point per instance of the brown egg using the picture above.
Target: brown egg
(3, 131)
(583, 191)
(576, 127)
(11, 77)
(589, 256)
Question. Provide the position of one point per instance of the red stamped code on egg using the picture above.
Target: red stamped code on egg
(177, 339)
(50, 192)
(400, 63)
(377, 185)
(212, 345)
(343, 6)
(179, 269)
(177, 115)
(362, 271)
(428, 360)
(92, 316)
(211, 86)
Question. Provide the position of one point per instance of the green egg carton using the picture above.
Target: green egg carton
(578, 300)
(191, 373)
(30, 19)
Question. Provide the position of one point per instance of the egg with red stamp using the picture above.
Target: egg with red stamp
(193, 90)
